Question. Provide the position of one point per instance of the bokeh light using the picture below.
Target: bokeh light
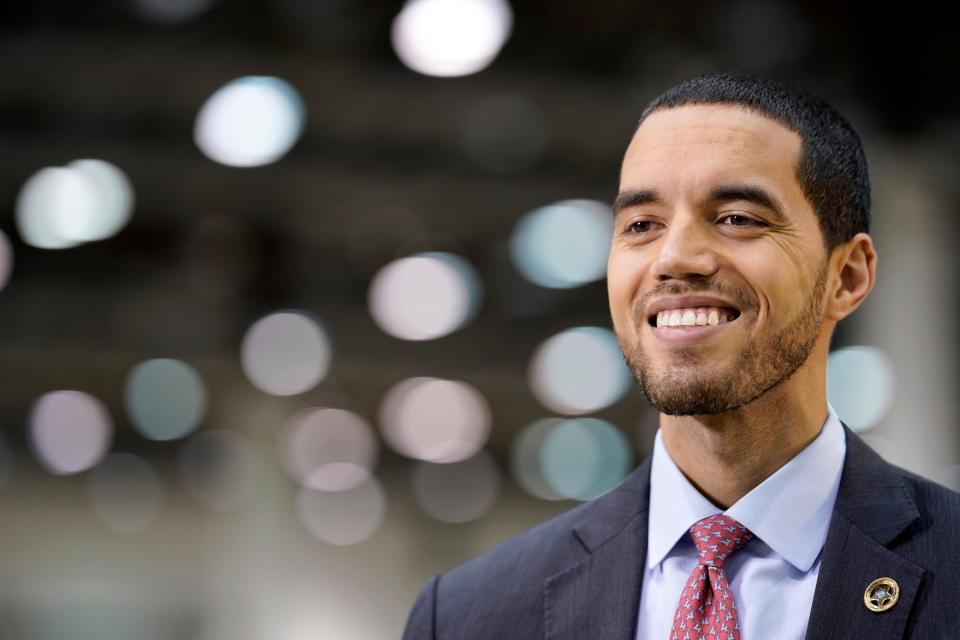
(563, 245)
(114, 202)
(328, 449)
(61, 207)
(285, 353)
(580, 370)
(49, 199)
(450, 37)
(250, 121)
(165, 398)
(424, 296)
(125, 492)
(70, 431)
(219, 469)
(170, 12)
(525, 459)
(6, 259)
(457, 492)
(583, 458)
(343, 517)
(504, 133)
(861, 385)
(435, 420)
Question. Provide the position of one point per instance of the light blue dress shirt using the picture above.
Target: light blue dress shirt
(774, 575)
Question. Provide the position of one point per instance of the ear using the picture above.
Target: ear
(854, 269)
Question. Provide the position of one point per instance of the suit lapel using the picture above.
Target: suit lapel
(599, 596)
(873, 507)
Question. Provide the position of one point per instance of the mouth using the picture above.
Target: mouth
(692, 318)
(692, 325)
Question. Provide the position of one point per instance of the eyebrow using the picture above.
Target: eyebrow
(725, 193)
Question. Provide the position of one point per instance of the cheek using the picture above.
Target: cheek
(624, 274)
(776, 283)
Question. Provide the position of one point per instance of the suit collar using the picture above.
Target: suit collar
(606, 516)
(873, 508)
(808, 483)
(872, 494)
(599, 595)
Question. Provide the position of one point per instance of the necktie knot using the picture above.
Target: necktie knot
(717, 537)
(707, 610)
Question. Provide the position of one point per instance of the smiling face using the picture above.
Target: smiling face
(709, 205)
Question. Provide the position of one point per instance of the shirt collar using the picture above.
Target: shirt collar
(789, 511)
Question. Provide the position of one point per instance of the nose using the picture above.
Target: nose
(686, 249)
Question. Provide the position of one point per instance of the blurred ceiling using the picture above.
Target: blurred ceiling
(382, 170)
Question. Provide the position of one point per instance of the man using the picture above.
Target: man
(741, 239)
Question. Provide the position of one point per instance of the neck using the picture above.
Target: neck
(725, 455)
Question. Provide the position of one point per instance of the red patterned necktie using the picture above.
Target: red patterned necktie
(706, 610)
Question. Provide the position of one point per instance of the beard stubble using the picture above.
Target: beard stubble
(688, 387)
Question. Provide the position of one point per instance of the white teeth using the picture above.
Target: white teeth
(693, 317)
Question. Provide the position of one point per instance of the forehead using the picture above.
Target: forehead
(696, 145)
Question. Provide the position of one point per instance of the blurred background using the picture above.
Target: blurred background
(303, 301)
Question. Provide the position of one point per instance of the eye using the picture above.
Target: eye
(639, 226)
(747, 221)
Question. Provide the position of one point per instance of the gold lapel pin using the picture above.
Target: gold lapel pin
(881, 594)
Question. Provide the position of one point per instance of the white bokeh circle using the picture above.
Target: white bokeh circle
(285, 353)
(250, 121)
(425, 296)
(579, 370)
(448, 38)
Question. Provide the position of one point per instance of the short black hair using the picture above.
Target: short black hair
(832, 168)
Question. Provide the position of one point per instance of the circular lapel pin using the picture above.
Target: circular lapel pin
(881, 594)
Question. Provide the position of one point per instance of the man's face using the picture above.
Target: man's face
(700, 189)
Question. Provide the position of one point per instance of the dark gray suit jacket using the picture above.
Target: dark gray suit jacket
(578, 576)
